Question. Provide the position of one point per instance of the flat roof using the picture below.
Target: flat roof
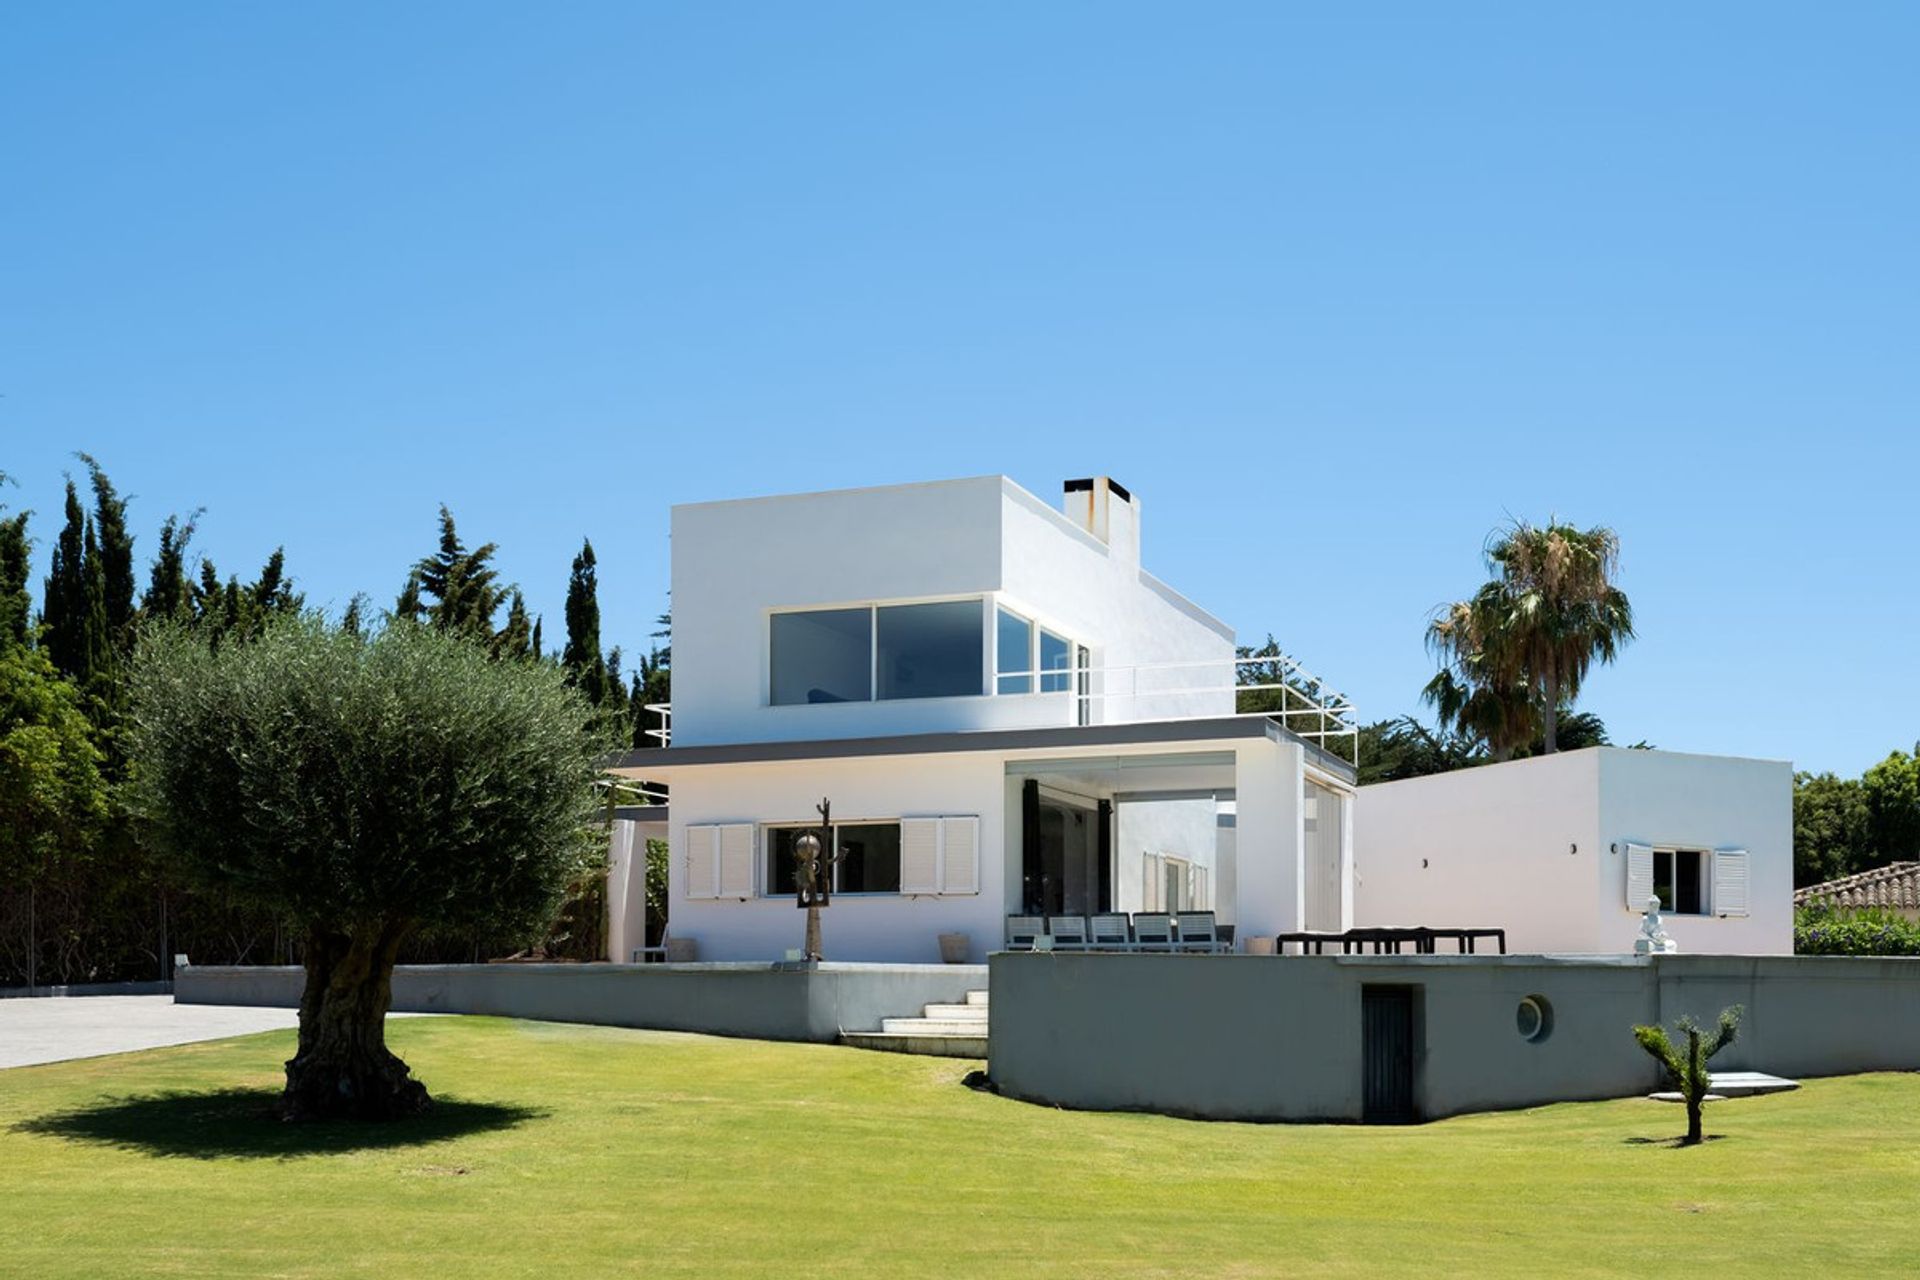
(1140, 733)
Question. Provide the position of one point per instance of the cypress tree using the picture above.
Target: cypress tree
(539, 652)
(272, 593)
(169, 595)
(207, 601)
(515, 640)
(463, 586)
(16, 603)
(96, 657)
(408, 605)
(64, 605)
(585, 667)
(350, 620)
(114, 547)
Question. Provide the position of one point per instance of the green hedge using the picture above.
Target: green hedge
(1822, 931)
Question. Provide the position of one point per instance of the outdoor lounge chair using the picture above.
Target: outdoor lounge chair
(1197, 932)
(1022, 930)
(1152, 931)
(1108, 931)
(1069, 932)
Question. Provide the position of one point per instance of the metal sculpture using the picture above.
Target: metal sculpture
(815, 857)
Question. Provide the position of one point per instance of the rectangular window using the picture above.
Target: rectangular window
(821, 655)
(871, 861)
(1056, 663)
(1679, 880)
(930, 650)
(1015, 660)
(870, 857)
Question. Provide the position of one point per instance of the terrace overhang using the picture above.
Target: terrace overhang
(1148, 735)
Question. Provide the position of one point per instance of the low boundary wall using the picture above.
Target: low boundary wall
(1279, 1038)
(766, 1003)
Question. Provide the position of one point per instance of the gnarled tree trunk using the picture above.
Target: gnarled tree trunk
(343, 1068)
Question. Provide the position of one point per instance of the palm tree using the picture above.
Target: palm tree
(1476, 692)
(1561, 610)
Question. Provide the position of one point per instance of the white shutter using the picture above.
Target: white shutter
(1730, 882)
(703, 863)
(736, 860)
(919, 855)
(959, 855)
(1639, 875)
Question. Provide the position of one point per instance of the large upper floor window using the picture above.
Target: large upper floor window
(822, 655)
(934, 650)
(930, 650)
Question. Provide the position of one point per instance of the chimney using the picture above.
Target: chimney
(1103, 507)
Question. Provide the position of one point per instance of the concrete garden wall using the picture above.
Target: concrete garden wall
(1278, 1038)
(730, 1000)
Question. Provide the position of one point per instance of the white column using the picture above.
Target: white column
(620, 872)
(1269, 839)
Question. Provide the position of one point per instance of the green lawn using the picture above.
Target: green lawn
(563, 1150)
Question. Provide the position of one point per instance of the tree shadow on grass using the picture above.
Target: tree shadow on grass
(246, 1124)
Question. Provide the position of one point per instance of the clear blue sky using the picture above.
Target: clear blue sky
(1334, 294)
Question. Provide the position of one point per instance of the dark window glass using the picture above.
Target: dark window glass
(1016, 653)
(1686, 882)
(823, 655)
(1663, 878)
(781, 875)
(931, 650)
(870, 861)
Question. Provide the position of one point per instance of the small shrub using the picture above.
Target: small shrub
(1823, 931)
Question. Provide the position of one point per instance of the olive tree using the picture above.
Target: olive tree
(364, 788)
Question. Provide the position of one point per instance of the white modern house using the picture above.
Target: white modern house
(1009, 714)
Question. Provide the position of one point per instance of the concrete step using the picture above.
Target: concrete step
(942, 1046)
(934, 1027)
(976, 997)
(957, 1012)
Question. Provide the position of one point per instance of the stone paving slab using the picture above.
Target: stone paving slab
(54, 1029)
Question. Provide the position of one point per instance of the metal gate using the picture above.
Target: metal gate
(1386, 1054)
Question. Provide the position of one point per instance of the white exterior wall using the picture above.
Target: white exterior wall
(1181, 828)
(1664, 798)
(1530, 846)
(874, 927)
(1486, 848)
(1095, 593)
(736, 562)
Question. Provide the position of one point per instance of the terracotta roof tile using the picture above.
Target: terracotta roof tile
(1895, 886)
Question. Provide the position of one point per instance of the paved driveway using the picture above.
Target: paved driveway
(53, 1029)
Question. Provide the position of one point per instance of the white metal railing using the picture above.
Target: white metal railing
(1307, 706)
